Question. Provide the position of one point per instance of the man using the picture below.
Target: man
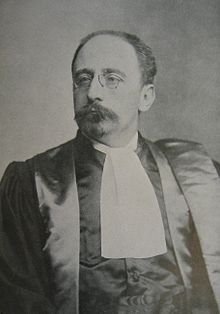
(111, 222)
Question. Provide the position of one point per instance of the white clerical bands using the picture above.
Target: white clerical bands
(131, 222)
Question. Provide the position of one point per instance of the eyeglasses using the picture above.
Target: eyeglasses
(108, 80)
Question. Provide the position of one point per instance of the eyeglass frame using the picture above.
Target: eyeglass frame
(102, 81)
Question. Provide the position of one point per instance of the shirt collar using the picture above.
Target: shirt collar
(132, 145)
(85, 151)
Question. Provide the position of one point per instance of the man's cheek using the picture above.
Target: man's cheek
(112, 102)
(80, 100)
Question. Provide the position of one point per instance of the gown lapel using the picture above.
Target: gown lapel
(197, 178)
(58, 203)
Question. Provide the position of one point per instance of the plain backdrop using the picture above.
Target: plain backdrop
(37, 42)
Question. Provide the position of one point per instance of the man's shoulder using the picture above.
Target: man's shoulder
(185, 151)
(56, 151)
(52, 157)
(178, 145)
(58, 157)
(174, 146)
(182, 153)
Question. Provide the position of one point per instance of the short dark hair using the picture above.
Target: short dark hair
(144, 53)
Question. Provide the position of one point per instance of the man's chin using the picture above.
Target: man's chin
(97, 131)
(92, 130)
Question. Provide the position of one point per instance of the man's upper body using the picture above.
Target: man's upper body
(53, 206)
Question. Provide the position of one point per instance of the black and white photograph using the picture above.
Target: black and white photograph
(110, 157)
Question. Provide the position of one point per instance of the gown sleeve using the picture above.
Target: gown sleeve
(24, 284)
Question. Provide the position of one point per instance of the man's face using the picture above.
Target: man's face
(107, 87)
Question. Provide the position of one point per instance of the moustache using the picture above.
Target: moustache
(95, 112)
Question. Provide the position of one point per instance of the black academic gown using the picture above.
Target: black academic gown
(26, 271)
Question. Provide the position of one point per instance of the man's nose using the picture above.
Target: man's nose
(95, 90)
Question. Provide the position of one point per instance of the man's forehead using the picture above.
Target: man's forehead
(106, 51)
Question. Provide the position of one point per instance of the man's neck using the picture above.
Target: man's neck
(115, 140)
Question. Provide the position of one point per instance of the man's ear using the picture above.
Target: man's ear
(147, 97)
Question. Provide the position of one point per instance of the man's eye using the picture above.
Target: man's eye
(83, 80)
(113, 78)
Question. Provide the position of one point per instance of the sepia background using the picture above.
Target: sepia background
(37, 42)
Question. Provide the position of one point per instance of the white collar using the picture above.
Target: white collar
(132, 145)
